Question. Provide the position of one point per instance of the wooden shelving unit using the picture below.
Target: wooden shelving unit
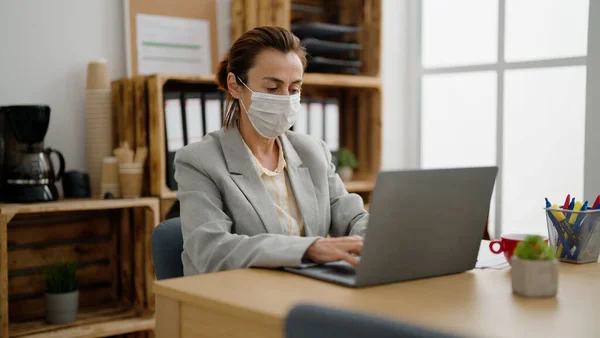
(140, 101)
(115, 265)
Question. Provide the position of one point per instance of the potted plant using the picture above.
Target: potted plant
(62, 293)
(534, 268)
(346, 162)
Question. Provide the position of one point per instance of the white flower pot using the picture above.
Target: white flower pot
(61, 308)
(345, 173)
(534, 278)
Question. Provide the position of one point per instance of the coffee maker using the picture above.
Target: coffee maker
(26, 170)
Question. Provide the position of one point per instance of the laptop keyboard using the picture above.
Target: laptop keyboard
(342, 268)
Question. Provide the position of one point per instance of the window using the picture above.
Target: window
(510, 75)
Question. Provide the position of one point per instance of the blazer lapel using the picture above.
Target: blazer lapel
(245, 176)
(303, 188)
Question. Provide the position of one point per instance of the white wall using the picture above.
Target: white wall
(44, 50)
(399, 134)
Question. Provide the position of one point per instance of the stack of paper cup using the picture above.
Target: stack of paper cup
(99, 126)
(132, 178)
(110, 177)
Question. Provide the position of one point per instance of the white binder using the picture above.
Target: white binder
(193, 118)
(301, 125)
(332, 125)
(174, 124)
(212, 112)
(315, 119)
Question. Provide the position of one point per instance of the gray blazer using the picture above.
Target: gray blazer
(228, 218)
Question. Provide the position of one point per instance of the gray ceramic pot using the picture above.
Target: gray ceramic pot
(534, 278)
(345, 173)
(62, 308)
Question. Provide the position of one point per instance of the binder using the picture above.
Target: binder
(316, 119)
(212, 111)
(332, 124)
(301, 125)
(194, 119)
(174, 129)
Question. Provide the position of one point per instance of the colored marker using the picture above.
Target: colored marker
(571, 206)
(596, 203)
(567, 201)
(574, 215)
(580, 217)
(565, 232)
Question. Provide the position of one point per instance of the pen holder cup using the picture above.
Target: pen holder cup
(575, 235)
(131, 177)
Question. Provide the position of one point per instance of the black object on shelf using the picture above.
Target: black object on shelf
(335, 62)
(308, 9)
(321, 30)
(318, 47)
(76, 184)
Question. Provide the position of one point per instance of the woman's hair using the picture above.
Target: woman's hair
(240, 58)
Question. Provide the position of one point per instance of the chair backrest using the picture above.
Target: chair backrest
(167, 246)
(317, 321)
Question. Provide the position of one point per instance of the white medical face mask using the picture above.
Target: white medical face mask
(271, 115)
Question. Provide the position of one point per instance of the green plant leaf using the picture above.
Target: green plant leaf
(534, 248)
(345, 158)
(61, 278)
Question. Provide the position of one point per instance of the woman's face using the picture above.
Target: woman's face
(274, 72)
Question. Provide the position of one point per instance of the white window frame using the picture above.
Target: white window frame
(416, 73)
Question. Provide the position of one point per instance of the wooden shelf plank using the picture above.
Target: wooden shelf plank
(341, 81)
(85, 316)
(104, 329)
(77, 205)
(359, 186)
(91, 322)
(310, 79)
(352, 186)
(171, 195)
(209, 79)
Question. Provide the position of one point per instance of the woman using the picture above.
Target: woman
(255, 194)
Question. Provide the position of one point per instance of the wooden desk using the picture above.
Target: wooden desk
(480, 303)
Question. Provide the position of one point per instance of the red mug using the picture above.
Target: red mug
(508, 243)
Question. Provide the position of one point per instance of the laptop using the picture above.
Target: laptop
(423, 223)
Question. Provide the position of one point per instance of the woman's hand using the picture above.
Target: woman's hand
(327, 250)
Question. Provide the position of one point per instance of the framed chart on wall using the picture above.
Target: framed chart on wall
(175, 36)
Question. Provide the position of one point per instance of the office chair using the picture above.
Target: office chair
(167, 246)
(315, 321)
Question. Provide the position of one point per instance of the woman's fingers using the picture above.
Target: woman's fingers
(350, 247)
(335, 249)
(345, 239)
(344, 256)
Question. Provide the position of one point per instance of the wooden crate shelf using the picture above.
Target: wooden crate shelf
(112, 248)
(369, 101)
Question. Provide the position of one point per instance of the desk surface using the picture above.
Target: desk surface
(476, 303)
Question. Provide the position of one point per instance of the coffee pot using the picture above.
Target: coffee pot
(28, 174)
